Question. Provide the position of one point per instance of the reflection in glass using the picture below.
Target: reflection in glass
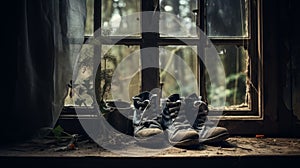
(81, 88)
(178, 72)
(180, 20)
(235, 61)
(113, 81)
(113, 21)
(227, 18)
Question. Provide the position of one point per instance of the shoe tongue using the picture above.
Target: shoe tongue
(143, 96)
(174, 97)
(152, 96)
(192, 96)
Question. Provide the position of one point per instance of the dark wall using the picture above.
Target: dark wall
(9, 19)
(281, 50)
(295, 62)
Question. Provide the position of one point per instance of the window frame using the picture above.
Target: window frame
(234, 122)
(252, 44)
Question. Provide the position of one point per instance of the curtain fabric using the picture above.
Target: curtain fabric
(51, 33)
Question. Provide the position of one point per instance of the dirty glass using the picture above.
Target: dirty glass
(235, 60)
(120, 72)
(178, 70)
(126, 81)
(113, 21)
(81, 89)
(89, 25)
(227, 18)
(177, 18)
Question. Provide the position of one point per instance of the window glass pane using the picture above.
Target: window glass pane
(235, 61)
(180, 21)
(227, 18)
(119, 60)
(89, 25)
(120, 72)
(178, 72)
(118, 17)
(82, 86)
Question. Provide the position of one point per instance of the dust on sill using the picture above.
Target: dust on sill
(233, 146)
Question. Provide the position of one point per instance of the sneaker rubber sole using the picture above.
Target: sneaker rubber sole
(185, 143)
(214, 139)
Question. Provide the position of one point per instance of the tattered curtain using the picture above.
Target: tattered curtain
(47, 32)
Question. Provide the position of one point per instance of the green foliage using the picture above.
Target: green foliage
(57, 132)
(234, 93)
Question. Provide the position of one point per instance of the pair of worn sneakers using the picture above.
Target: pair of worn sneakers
(184, 120)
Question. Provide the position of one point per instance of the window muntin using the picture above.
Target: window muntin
(234, 43)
